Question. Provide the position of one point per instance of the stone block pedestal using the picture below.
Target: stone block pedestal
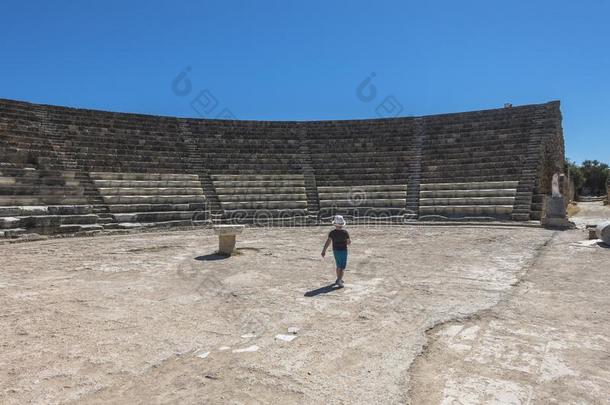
(227, 237)
(556, 216)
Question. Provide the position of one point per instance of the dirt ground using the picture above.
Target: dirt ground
(432, 314)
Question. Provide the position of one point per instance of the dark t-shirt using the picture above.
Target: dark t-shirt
(339, 238)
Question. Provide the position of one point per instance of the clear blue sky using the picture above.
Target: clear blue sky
(300, 60)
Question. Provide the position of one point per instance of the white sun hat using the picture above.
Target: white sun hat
(339, 220)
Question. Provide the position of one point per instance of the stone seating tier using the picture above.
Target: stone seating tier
(29, 186)
(241, 195)
(475, 199)
(17, 220)
(164, 199)
(362, 200)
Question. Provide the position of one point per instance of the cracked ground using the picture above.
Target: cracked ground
(434, 314)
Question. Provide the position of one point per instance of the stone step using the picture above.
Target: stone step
(160, 216)
(366, 188)
(146, 183)
(453, 166)
(466, 210)
(520, 216)
(42, 200)
(256, 177)
(12, 233)
(46, 221)
(263, 214)
(381, 162)
(466, 201)
(42, 189)
(122, 166)
(507, 192)
(401, 170)
(329, 212)
(259, 190)
(235, 184)
(261, 197)
(161, 224)
(238, 205)
(360, 195)
(478, 153)
(338, 181)
(470, 179)
(118, 208)
(368, 203)
(368, 154)
(439, 175)
(24, 182)
(72, 228)
(142, 176)
(153, 199)
(470, 185)
(253, 166)
(139, 191)
(361, 178)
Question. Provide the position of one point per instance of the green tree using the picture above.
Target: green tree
(589, 178)
(596, 175)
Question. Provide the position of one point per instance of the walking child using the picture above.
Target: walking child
(340, 240)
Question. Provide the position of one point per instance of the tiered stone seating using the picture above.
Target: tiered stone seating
(151, 199)
(256, 168)
(362, 201)
(42, 202)
(461, 200)
(36, 193)
(362, 168)
(137, 170)
(98, 141)
(261, 197)
(494, 152)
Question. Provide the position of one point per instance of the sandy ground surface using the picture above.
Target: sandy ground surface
(591, 213)
(428, 315)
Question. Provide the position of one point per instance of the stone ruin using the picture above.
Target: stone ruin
(65, 170)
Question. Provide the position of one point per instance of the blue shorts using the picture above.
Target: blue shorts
(340, 258)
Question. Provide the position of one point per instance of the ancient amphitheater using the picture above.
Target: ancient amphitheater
(68, 170)
(111, 290)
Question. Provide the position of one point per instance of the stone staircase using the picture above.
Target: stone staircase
(414, 180)
(309, 176)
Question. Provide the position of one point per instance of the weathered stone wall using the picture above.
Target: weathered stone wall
(553, 155)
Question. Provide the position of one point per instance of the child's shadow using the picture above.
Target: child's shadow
(322, 290)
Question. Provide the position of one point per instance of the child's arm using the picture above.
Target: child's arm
(328, 241)
(349, 241)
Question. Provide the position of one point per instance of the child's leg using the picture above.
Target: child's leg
(340, 273)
